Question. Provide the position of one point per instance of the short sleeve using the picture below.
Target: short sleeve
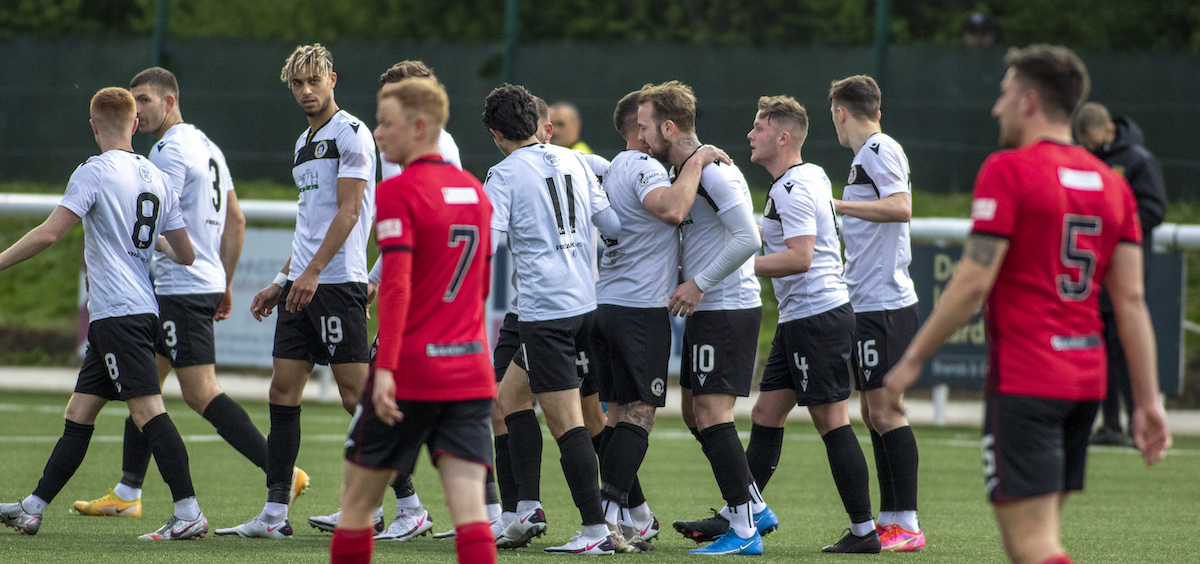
(448, 149)
(650, 176)
(393, 217)
(993, 207)
(356, 152)
(597, 164)
(798, 214)
(886, 169)
(501, 198)
(599, 198)
(174, 218)
(725, 187)
(82, 189)
(169, 159)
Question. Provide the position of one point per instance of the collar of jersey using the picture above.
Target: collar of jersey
(313, 132)
(801, 163)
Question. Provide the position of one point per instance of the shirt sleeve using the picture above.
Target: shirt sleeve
(170, 161)
(886, 169)
(394, 232)
(356, 152)
(725, 188)
(448, 149)
(174, 213)
(994, 205)
(798, 214)
(651, 175)
(81, 189)
(599, 198)
(598, 165)
(500, 196)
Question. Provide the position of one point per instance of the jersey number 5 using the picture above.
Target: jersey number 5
(468, 237)
(1073, 256)
(147, 218)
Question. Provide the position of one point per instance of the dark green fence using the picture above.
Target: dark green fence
(936, 100)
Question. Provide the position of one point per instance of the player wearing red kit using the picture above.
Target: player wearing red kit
(431, 381)
(1051, 224)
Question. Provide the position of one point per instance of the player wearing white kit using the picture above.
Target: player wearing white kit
(323, 288)
(546, 199)
(632, 338)
(812, 346)
(411, 520)
(720, 294)
(127, 207)
(191, 297)
(877, 205)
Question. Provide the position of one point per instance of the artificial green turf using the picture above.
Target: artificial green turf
(1129, 514)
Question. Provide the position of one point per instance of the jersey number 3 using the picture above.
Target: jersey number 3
(466, 236)
(1083, 259)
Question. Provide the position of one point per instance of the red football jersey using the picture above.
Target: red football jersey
(1063, 212)
(432, 223)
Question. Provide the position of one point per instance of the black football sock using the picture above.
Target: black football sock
(699, 438)
(883, 469)
(578, 459)
(504, 475)
(283, 445)
(636, 497)
(170, 454)
(903, 457)
(234, 425)
(762, 453)
(403, 486)
(525, 446)
(490, 495)
(600, 442)
(64, 460)
(728, 461)
(625, 453)
(135, 456)
(849, 467)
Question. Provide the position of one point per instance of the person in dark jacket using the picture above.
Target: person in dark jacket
(1118, 142)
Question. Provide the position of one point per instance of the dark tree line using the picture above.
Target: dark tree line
(1161, 25)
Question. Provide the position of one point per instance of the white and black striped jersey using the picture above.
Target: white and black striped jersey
(878, 254)
(544, 197)
(800, 203)
(642, 268)
(722, 187)
(342, 148)
(125, 202)
(196, 171)
(446, 148)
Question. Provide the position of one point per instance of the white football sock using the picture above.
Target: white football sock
(887, 518)
(641, 514)
(908, 521)
(187, 509)
(741, 520)
(127, 493)
(493, 511)
(34, 505)
(275, 512)
(410, 502)
(862, 529)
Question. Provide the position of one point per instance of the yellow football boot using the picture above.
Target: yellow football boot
(300, 483)
(110, 506)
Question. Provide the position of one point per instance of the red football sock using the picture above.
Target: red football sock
(474, 543)
(1060, 559)
(353, 546)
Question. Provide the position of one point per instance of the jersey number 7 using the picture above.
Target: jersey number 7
(468, 237)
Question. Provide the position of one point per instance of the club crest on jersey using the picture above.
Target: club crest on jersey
(853, 175)
(321, 149)
(146, 175)
(550, 158)
(658, 387)
(645, 179)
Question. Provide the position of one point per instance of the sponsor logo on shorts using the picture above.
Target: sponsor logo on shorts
(658, 387)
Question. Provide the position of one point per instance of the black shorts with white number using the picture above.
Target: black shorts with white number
(811, 355)
(1034, 446)
(119, 363)
(185, 329)
(637, 349)
(507, 344)
(880, 338)
(557, 354)
(461, 429)
(332, 329)
(718, 351)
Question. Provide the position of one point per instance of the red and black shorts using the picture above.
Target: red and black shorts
(1034, 446)
(461, 429)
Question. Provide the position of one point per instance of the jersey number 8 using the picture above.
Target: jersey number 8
(147, 218)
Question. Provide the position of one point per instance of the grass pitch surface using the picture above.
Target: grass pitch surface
(1128, 513)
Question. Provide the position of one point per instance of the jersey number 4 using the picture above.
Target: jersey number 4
(1073, 256)
(466, 236)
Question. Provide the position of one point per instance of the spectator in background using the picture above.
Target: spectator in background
(979, 31)
(1118, 142)
(564, 116)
